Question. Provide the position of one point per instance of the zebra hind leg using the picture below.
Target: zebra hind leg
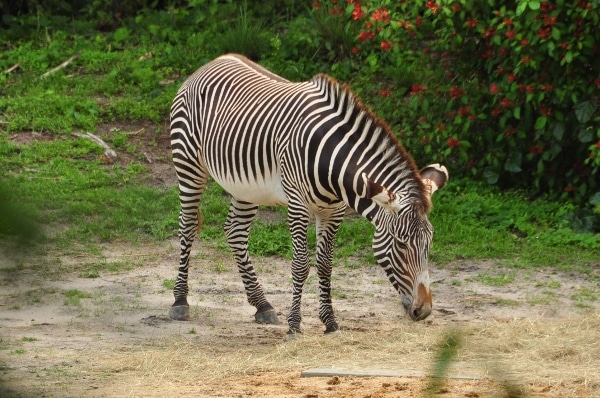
(237, 226)
(189, 226)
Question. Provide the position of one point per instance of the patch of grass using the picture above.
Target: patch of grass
(94, 270)
(169, 284)
(495, 280)
(72, 186)
(584, 296)
(74, 297)
(551, 284)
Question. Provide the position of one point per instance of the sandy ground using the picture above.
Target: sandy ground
(66, 334)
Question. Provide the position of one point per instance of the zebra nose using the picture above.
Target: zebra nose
(420, 313)
(421, 306)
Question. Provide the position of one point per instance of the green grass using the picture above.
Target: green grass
(74, 297)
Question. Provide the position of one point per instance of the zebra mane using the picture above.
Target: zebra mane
(341, 92)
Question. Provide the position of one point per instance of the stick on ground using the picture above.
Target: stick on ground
(111, 154)
(61, 66)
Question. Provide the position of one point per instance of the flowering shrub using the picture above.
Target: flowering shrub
(506, 91)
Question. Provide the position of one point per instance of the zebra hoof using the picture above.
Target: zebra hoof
(180, 312)
(292, 336)
(332, 328)
(269, 317)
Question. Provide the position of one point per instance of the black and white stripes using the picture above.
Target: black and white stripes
(311, 146)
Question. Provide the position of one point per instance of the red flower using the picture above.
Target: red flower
(597, 82)
(506, 102)
(536, 150)
(316, 5)
(381, 15)
(337, 10)
(497, 111)
(510, 131)
(419, 20)
(544, 32)
(547, 87)
(464, 111)
(363, 36)
(597, 145)
(508, 22)
(489, 32)
(455, 8)
(386, 45)
(355, 50)
(417, 88)
(358, 13)
(569, 188)
(471, 23)
(384, 93)
(512, 77)
(525, 60)
(456, 92)
(511, 34)
(453, 143)
(494, 88)
(433, 6)
(524, 42)
(549, 21)
(545, 110)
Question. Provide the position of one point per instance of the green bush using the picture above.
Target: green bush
(506, 92)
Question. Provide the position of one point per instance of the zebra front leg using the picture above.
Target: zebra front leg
(237, 226)
(327, 226)
(298, 219)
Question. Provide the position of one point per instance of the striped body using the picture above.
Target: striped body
(313, 147)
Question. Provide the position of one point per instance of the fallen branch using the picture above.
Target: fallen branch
(61, 66)
(12, 68)
(112, 155)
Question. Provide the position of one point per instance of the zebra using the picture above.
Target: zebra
(314, 147)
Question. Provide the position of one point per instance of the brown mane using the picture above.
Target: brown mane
(340, 89)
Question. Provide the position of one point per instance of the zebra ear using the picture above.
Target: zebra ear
(380, 195)
(434, 177)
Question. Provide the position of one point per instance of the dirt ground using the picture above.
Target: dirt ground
(76, 324)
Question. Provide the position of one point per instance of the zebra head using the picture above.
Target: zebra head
(403, 237)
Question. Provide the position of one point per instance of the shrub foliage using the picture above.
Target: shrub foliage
(504, 91)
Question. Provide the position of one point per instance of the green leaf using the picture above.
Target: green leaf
(585, 136)
(569, 57)
(534, 5)
(513, 162)
(555, 33)
(540, 123)
(558, 131)
(490, 176)
(584, 111)
(521, 8)
(595, 199)
(122, 34)
(517, 112)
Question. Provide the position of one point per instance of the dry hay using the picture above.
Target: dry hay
(540, 355)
